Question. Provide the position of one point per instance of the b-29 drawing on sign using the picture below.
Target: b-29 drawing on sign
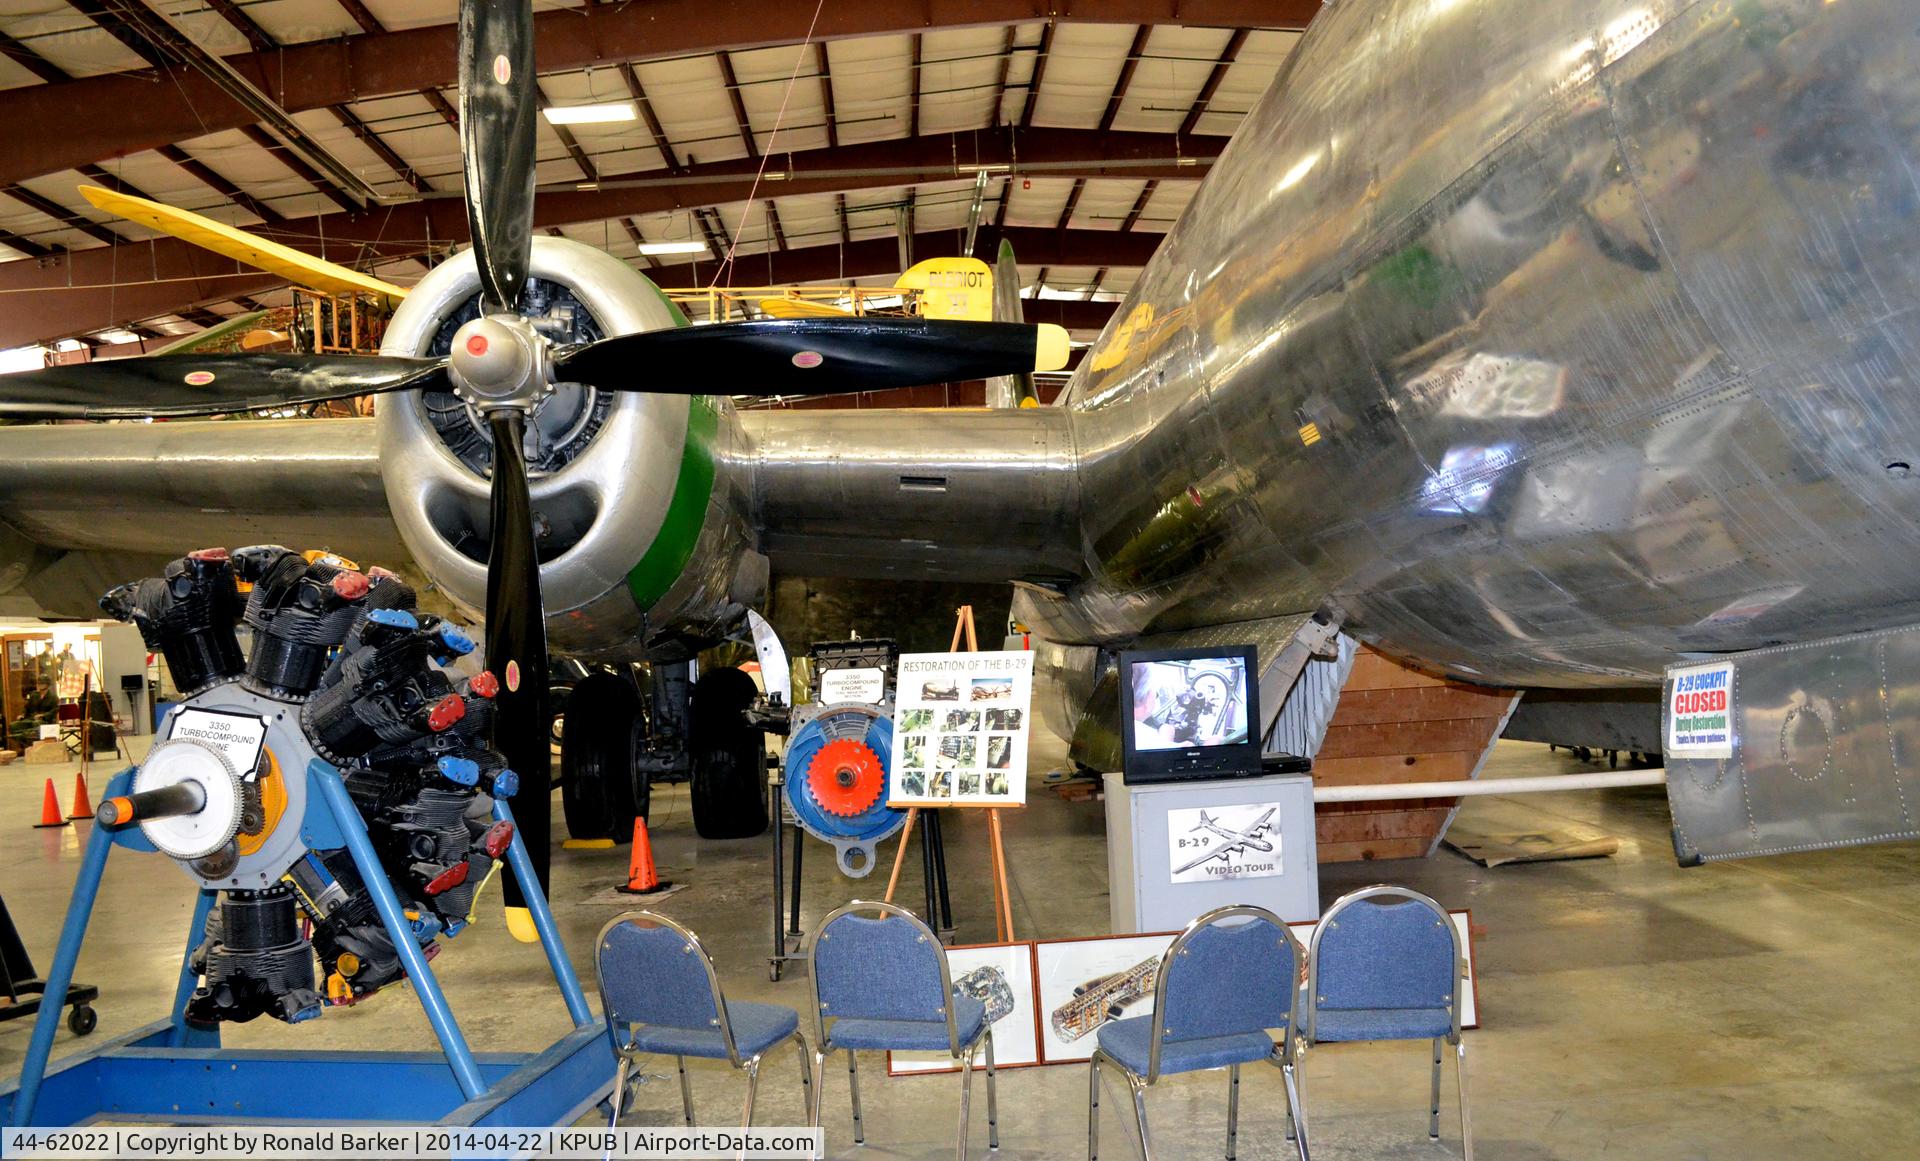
(1231, 842)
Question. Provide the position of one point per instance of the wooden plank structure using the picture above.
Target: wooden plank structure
(1396, 724)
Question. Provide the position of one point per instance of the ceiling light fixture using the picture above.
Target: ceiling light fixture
(655, 248)
(596, 114)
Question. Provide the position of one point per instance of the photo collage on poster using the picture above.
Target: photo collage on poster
(960, 727)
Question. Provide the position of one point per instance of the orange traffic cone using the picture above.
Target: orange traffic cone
(82, 805)
(642, 879)
(50, 809)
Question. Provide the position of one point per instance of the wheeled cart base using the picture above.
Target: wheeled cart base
(174, 1072)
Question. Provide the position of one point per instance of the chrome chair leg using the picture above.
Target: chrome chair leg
(1433, 1115)
(1140, 1114)
(806, 1075)
(993, 1100)
(1297, 1055)
(853, 1086)
(819, 1086)
(753, 1083)
(1233, 1109)
(619, 1089)
(1296, 1115)
(1466, 1119)
(1299, 1111)
(686, 1090)
(1093, 1108)
(966, 1103)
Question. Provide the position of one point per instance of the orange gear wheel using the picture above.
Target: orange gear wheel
(845, 777)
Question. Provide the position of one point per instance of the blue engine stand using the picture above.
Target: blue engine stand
(175, 1073)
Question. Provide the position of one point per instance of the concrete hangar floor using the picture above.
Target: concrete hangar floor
(1630, 1009)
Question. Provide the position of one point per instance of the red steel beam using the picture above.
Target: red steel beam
(151, 107)
(830, 262)
(209, 278)
(91, 289)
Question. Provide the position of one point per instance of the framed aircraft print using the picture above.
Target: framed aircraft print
(999, 975)
(1083, 983)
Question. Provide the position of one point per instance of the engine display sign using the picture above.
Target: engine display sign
(237, 737)
(1699, 711)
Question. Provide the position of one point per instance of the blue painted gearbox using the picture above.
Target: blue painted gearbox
(852, 834)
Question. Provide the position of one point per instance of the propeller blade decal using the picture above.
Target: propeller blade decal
(517, 644)
(497, 109)
(816, 356)
(179, 386)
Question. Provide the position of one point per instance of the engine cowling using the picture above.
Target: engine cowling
(641, 517)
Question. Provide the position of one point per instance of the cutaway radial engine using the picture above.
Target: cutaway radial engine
(342, 669)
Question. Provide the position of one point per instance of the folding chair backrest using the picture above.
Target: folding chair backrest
(1385, 948)
(654, 974)
(890, 968)
(1223, 979)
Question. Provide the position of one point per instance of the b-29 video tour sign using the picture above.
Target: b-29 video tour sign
(960, 723)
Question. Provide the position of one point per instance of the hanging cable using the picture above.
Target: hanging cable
(733, 243)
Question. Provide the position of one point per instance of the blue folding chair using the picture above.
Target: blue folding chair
(1385, 963)
(1221, 988)
(885, 985)
(661, 996)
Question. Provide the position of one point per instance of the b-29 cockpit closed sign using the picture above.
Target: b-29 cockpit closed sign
(1699, 711)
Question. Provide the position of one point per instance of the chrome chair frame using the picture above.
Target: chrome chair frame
(1453, 1037)
(626, 1052)
(969, 1050)
(1283, 1057)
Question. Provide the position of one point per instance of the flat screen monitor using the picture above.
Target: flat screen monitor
(1190, 713)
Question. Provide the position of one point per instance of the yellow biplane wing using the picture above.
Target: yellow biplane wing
(297, 267)
(782, 307)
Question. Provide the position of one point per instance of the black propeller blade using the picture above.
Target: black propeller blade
(497, 109)
(819, 356)
(517, 644)
(176, 386)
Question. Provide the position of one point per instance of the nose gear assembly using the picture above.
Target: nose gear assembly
(344, 668)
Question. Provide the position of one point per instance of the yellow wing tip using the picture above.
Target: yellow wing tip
(1050, 348)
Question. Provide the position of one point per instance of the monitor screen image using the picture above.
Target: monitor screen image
(1188, 703)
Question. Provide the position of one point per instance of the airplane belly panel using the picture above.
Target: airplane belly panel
(1613, 362)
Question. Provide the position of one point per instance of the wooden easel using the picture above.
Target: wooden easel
(1002, 899)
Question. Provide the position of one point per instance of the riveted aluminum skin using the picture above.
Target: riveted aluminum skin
(1548, 339)
(607, 504)
(922, 495)
(1818, 730)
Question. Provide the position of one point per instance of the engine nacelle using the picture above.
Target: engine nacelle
(642, 527)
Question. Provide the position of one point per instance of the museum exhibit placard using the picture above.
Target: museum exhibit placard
(960, 728)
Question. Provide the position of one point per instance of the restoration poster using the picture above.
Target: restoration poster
(960, 723)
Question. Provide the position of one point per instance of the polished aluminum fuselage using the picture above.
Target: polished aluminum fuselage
(1547, 341)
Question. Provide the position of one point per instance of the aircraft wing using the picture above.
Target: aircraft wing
(87, 506)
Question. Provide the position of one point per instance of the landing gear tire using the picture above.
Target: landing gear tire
(729, 791)
(599, 792)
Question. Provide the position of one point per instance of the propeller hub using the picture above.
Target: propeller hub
(501, 361)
